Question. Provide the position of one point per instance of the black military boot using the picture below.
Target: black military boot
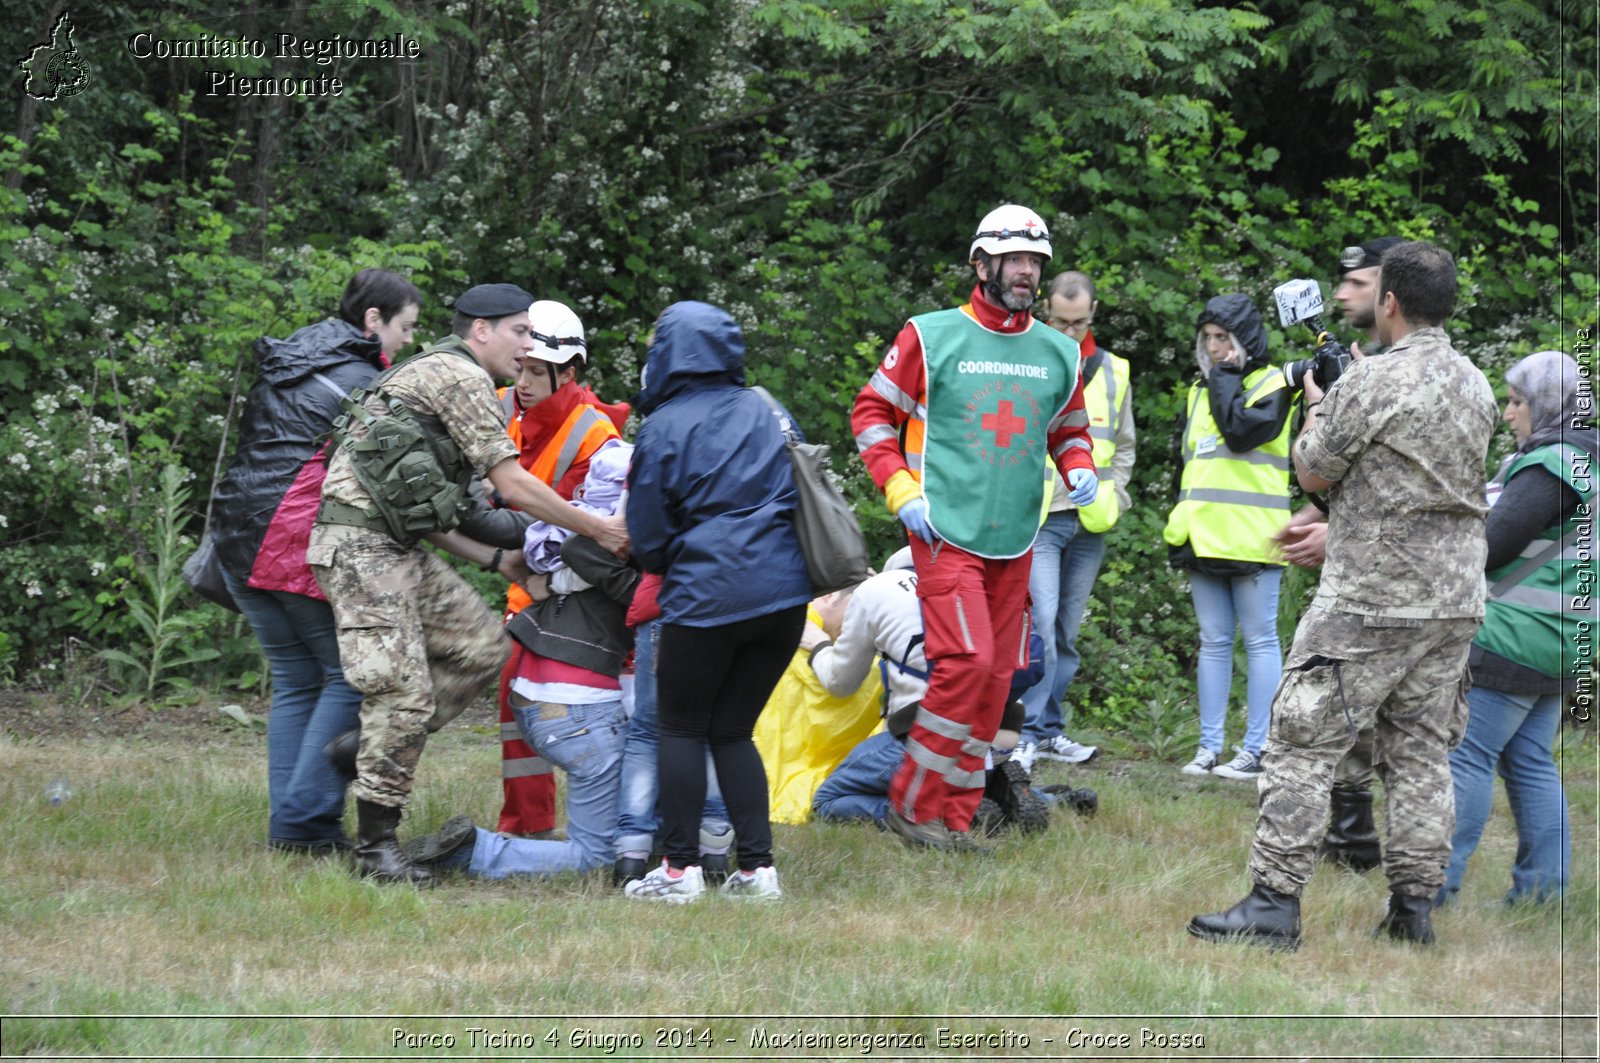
(1408, 919)
(341, 753)
(1007, 786)
(1265, 917)
(377, 854)
(1352, 840)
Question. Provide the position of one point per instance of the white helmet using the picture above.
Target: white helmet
(1010, 228)
(557, 333)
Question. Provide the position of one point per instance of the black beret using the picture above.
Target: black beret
(493, 300)
(1368, 254)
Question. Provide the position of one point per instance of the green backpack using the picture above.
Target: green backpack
(408, 463)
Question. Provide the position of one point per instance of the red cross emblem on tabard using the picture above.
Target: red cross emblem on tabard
(1003, 423)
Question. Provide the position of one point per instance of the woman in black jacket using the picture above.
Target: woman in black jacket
(262, 513)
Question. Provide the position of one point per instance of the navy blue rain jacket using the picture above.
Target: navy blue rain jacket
(711, 497)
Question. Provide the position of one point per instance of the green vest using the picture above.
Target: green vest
(1541, 607)
(417, 477)
(990, 399)
(1230, 504)
(1104, 398)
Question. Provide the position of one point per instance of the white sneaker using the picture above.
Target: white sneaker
(660, 884)
(1245, 766)
(1066, 750)
(758, 885)
(1202, 763)
(1025, 754)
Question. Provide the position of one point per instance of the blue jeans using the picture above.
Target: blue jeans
(1251, 604)
(585, 741)
(1513, 733)
(311, 705)
(1066, 561)
(637, 821)
(859, 787)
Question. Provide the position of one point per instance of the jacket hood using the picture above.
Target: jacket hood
(312, 349)
(696, 345)
(1239, 316)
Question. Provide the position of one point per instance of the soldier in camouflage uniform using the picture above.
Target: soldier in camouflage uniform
(416, 640)
(1400, 452)
(1352, 840)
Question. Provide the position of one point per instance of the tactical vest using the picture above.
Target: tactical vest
(413, 471)
(1543, 602)
(990, 399)
(1104, 397)
(1231, 504)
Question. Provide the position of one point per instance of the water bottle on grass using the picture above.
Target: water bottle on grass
(59, 792)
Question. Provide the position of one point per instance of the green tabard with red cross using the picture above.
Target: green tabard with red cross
(990, 399)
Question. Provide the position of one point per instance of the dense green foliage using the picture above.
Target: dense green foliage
(815, 169)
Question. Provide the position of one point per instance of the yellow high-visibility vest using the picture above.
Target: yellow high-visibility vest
(1231, 504)
(1104, 398)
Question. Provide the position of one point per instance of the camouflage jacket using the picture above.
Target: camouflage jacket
(1404, 437)
(453, 389)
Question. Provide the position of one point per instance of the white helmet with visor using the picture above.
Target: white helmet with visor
(1008, 229)
(557, 333)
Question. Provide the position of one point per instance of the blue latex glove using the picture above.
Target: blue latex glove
(914, 515)
(1085, 485)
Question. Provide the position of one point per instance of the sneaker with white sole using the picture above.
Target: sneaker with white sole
(1202, 763)
(1025, 754)
(758, 885)
(1066, 750)
(1246, 766)
(686, 887)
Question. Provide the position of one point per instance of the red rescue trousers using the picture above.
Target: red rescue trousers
(975, 619)
(529, 785)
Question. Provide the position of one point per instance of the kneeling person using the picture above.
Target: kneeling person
(566, 698)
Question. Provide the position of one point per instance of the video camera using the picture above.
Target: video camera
(1300, 302)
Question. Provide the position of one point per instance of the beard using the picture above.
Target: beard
(1004, 296)
(1016, 303)
(1362, 318)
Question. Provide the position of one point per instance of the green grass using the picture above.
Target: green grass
(150, 893)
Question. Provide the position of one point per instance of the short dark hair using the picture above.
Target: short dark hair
(1423, 280)
(1069, 284)
(389, 292)
(461, 324)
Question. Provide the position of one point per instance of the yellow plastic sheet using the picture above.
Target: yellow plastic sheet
(804, 732)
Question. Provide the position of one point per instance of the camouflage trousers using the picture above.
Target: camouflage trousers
(415, 639)
(1355, 771)
(1405, 680)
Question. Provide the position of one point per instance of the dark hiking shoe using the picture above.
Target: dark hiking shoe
(449, 846)
(1007, 786)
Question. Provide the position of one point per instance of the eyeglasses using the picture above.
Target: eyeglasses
(1029, 233)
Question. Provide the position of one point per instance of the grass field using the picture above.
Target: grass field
(145, 919)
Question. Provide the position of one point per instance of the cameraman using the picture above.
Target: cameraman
(1352, 840)
(1399, 443)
